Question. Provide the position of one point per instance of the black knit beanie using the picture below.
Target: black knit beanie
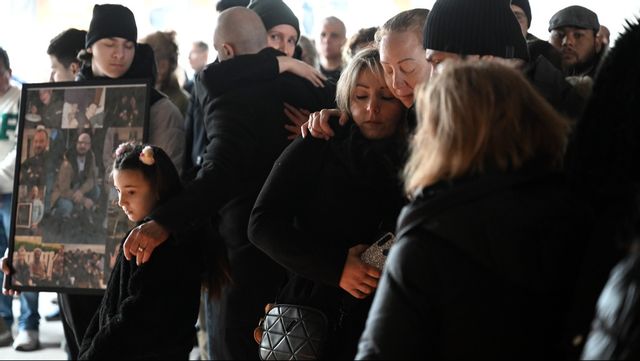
(275, 12)
(111, 21)
(524, 5)
(478, 27)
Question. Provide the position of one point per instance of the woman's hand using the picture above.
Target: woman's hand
(358, 278)
(318, 123)
(143, 240)
(301, 69)
(298, 117)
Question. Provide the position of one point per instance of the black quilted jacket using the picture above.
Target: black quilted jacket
(616, 328)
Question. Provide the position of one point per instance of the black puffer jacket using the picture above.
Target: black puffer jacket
(483, 269)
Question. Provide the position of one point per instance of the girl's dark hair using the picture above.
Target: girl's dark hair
(165, 181)
(162, 175)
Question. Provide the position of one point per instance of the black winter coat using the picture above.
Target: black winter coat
(483, 269)
(148, 311)
(321, 199)
(245, 135)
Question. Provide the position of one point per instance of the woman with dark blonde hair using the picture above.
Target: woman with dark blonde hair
(487, 249)
(479, 119)
(351, 183)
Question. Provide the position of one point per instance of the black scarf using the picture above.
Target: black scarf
(142, 67)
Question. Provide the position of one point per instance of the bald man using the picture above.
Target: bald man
(231, 40)
(331, 40)
(245, 126)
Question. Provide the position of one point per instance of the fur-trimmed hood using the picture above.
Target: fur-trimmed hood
(605, 148)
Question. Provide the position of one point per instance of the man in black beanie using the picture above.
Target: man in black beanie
(459, 29)
(487, 29)
(537, 47)
(111, 21)
(574, 33)
(522, 10)
(283, 28)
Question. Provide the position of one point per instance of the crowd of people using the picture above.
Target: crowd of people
(502, 164)
(57, 267)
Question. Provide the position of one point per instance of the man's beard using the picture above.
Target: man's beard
(582, 68)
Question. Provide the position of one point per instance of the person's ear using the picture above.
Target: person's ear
(598, 43)
(228, 50)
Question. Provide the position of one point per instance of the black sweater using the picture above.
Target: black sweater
(148, 311)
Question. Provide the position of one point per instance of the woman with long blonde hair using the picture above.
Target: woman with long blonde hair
(486, 250)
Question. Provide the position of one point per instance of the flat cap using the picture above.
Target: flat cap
(576, 16)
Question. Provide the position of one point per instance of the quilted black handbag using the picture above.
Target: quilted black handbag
(616, 327)
(292, 332)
